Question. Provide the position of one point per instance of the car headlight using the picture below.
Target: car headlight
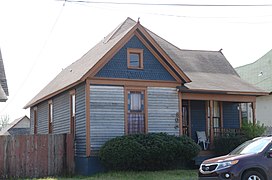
(226, 164)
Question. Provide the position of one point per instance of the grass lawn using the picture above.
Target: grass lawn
(156, 175)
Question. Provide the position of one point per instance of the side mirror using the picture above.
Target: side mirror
(269, 154)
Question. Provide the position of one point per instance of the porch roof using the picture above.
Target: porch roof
(208, 70)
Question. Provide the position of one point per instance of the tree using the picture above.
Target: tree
(4, 121)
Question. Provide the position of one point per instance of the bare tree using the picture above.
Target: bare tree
(4, 121)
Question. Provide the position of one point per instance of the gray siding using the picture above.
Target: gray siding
(162, 109)
(31, 120)
(80, 121)
(107, 114)
(42, 118)
(61, 113)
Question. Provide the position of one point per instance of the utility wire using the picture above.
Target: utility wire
(167, 4)
(35, 62)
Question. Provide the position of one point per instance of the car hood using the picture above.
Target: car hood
(226, 158)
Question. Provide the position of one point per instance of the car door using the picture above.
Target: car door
(268, 163)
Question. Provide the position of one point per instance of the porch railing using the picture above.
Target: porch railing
(226, 131)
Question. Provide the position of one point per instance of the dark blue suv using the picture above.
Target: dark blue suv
(251, 160)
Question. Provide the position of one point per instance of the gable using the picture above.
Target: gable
(117, 66)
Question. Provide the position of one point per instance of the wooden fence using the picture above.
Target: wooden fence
(31, 156)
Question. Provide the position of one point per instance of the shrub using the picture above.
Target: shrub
(251, 131)
(225, 144)
(153, 151)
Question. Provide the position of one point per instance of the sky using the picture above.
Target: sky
(39, 38)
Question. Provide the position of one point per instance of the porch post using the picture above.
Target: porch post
(87, 106)
(253, 105)
(180, 114)
(211, 122)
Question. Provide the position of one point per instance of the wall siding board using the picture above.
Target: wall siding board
(42, 118)
(117, 66)
(162, 108)
(80, 121)
(61, 113)
(230, 115)
(107, 114)
(198, 117)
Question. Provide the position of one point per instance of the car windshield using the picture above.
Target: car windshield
(251, 147)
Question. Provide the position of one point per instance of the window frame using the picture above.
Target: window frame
(35, 119)
(141, 59)
(145, 111)
(72, 111)
(50, 117)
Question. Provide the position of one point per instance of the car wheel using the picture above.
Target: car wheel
(253, 175)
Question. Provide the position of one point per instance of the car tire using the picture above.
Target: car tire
(250, 175)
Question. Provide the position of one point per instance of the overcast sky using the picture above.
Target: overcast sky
(38, 38)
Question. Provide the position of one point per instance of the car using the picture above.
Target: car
(252, 160)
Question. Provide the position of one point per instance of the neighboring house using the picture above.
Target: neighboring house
(17, 127)
(134, 81)
(259, 73)
(3, 81)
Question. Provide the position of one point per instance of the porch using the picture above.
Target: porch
(215, 114)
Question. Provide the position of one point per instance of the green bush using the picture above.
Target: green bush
(225, 144)
(251, 131)
(153, 151)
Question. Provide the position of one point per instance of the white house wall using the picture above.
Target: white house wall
(106, 114)
(264, 110)
(162, 110)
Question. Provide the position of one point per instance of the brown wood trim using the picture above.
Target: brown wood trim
(180, 114)
(50, 115)
(141, 56)
(207, 116)
(72, 118)
(87, 105)
(253, 104)
(53, 94)
(219, 97)
(211, 123)
(164, 54)
(130, 82)
(189, 119)
(35, 123)
(146, 110)
(110, 53)
(221, 115)
(158, 58)
(240, 114)
(143, 89)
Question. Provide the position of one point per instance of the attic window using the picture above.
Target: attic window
(135, 58)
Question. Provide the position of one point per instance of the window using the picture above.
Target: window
(135, 58)
(72, 111)
(50, 120)
(136, 112)
(35, 120)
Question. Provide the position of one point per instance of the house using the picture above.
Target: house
(259, 73)
(17, 127)
(134, 81)
(3, 81)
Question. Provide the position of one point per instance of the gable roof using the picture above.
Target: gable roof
(5, 130)
(208, 70)
(3, 81)
(188, 64)
(259, 72)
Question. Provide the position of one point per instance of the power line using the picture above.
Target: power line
(167, 4)
(35, 62)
